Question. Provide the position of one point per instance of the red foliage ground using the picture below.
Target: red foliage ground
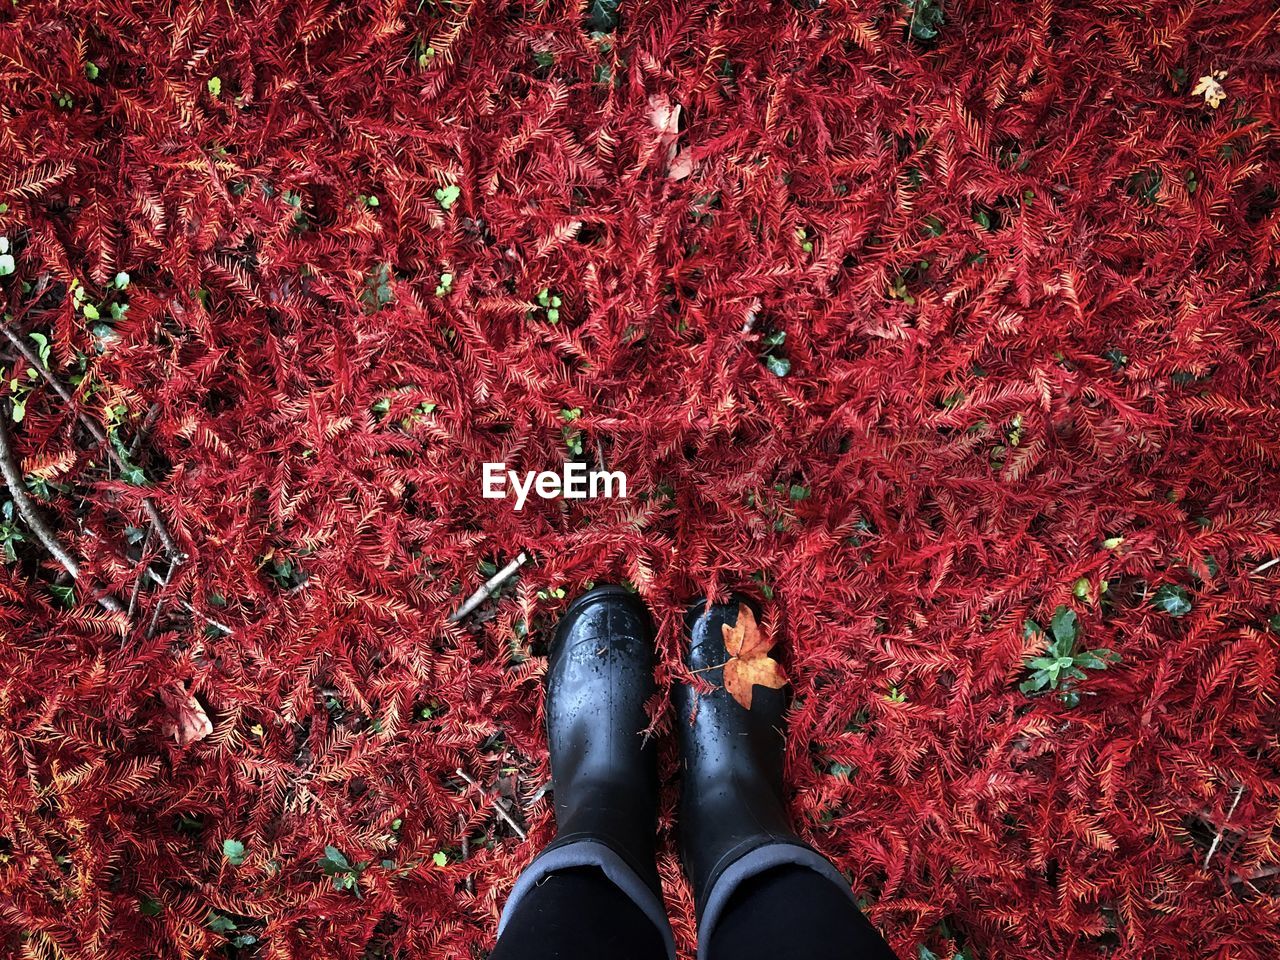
(1033, 309)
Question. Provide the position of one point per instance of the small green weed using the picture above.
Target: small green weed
(1062, 665)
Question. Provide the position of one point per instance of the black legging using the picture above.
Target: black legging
(787, 912)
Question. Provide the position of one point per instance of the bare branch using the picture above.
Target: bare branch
(26, 507)
(490, 586)
(1222, 829)
(498, 808)
(148, 505)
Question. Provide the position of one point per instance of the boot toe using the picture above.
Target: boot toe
(705, 624)
(609, 614)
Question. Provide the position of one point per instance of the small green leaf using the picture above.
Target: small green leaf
(91, 70)
(1064, 626)
(90, 311)
(66, 595)
(233, 851)
(19, 410)
(799, 493)
(1037, 681)
(220, 923)
(1173, 600)
(1112, 542)
(7, 266)
(42, 347)
(121, 280)
(448, 196)
(215, 86)
(1274, 623)
(778, 366)
(334, 862)
(602, 16)
(553, 315)
(439, 858)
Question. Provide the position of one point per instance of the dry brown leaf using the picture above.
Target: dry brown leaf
(749, 663)
(664, 117)
(187, 721)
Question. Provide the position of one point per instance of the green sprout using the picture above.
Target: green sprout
(1062, 664)
(549, 302)
(447, 196)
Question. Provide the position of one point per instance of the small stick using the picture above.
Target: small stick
(156, 578)
(1264, 567)
(148, 505)
(714, 666)
(466, 852)
(137, 584)
(498, 808)
(147, 423)
(18, 490)
(1222, 829)
(1262, 873)
(155, 614)
(216, 624)
(490, 586)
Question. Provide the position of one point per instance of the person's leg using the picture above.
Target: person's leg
(793, 912)
(578, 914)
(735, 831)
(598, 874)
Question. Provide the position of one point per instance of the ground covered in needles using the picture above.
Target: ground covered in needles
(949, 329)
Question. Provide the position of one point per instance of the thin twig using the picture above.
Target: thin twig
(148, 421)
(137, 583)
(216, 624)
(161, 581)
(148, 505)
(18, 491)
(714, 666)
(1213, 848)
(498, 808)
(469, 883)
(1264, 567)
(1262, 873)
(491, 585)
(155, 614)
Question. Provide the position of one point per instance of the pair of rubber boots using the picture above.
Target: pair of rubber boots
(733, 819)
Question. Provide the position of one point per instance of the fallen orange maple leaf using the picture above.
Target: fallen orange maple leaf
(749, 662)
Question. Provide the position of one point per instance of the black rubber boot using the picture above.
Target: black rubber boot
(603, 769)
(733, 816)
